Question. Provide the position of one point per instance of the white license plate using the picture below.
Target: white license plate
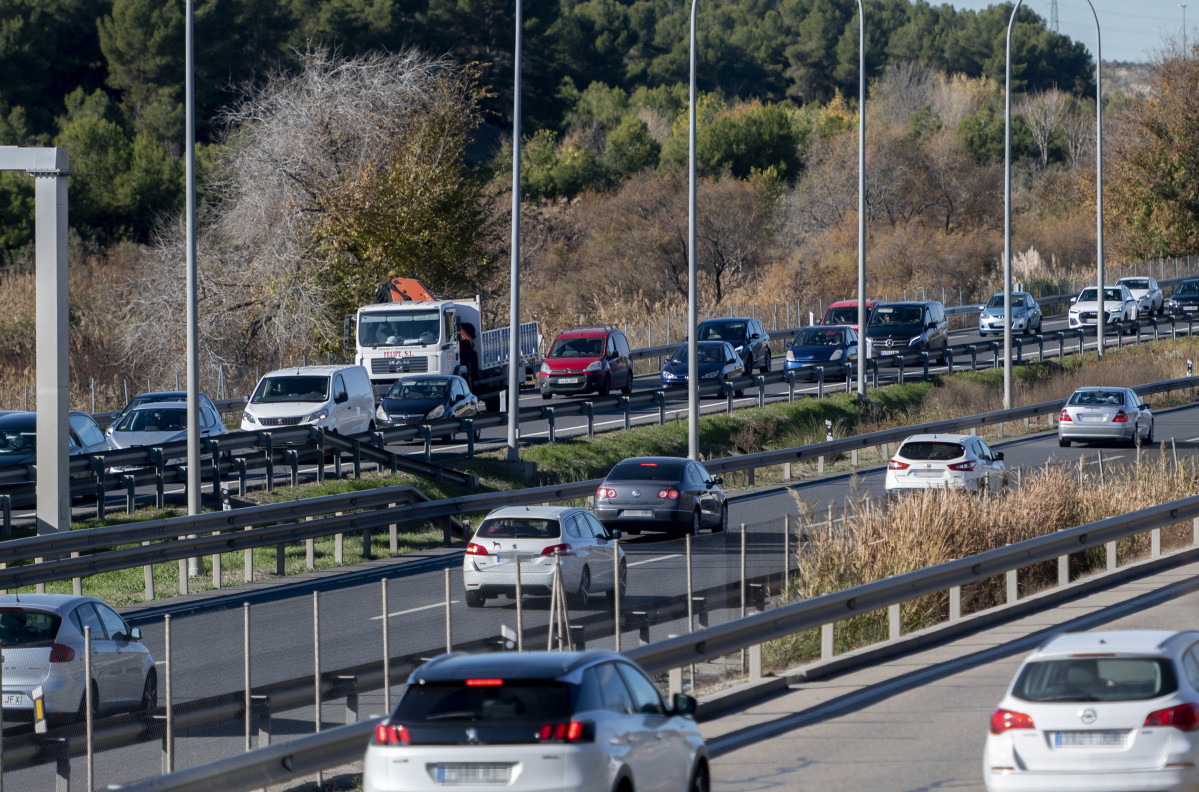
(888, 351)
(13, 699)
(637, 513)
(1085, 418)
(569, 380)
(927, 473)
(472, 773)
(1109, 738)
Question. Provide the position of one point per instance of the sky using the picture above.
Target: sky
(1130, 30)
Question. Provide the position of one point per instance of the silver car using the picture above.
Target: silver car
(155, 423)
(1148, 294)
(1026, 314)
(41, 638)
(1098, 413)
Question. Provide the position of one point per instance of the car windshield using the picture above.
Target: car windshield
(535, 700)
(577, 348)
(154, 419)
(419, 389)
(518, 528)
(902, 315)
(721, 331)
(997, 301)
(291, 388)
(18, 441)
(1136, 283)
(1098, 398)
(1088, 295)
(819, 338)
(1096, 679)
(399, 328)
(632, 470)
(26, 628)
(844, 315)
(1188, 287)
(931, 450)
(705, 353)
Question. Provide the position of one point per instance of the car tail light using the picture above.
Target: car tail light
(1002, 720)
(1120, 417)
(391, 735)
(668, 494)
(966, 466)
(476, 549)
(61, 654)
(572, 732)
(605, 492)
(489, 682)
(1184, 717)
(560, 549)
(1065, 417)
(897, 465)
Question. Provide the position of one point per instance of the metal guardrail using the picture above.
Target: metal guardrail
(280, 763)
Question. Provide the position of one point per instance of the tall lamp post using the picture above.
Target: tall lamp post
(692, 344)
(515, 364)
(1100, 315)
(193, 355)
(1007, 218)
(861, 202)
(1183, 6)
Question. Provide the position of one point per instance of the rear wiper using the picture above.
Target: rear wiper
(464, 715)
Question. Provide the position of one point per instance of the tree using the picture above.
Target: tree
(1043, 113)
(631, 148)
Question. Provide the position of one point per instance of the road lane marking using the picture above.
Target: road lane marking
(652, 560)
(414, 610)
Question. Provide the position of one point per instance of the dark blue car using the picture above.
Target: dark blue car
(834, 347)
(717, 362)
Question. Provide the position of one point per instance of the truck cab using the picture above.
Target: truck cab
(394, 339)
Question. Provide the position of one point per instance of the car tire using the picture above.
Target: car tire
(696, 522)
(80, 715)
(605, 386)
(627, 390)
(724, 520)
(582, 597)
(547, 396)
(624, 583)
(1149, 437)
(765, 369)
(475, 599)
(149, 700)
(1063, 442)
(699, 779)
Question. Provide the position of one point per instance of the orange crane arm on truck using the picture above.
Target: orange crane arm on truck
(402, 290)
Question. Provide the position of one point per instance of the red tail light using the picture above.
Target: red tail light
(1002, 720)
(391, 735)
(560, 549)
(965, 467)
(1120, 417)
(895, 465)
(668, 494)
(604, 492)
(484, 682)
(476, 549)
(1184, 717)
(1065, 417)
(573, 732)
(61, 654)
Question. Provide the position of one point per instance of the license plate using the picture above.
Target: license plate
(1085, 418)
(1109, 738)
(568, 380)
(13, 699)
(927, 474)
(472, 773)
(637, 513)
(888, 351)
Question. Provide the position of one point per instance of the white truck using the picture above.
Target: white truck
(408, 331)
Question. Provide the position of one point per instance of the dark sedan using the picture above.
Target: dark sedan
(1185, 299)
(427, 398)
(18, 441)
(833, 347)
(661, 494)
(716, 361)
(747, 335)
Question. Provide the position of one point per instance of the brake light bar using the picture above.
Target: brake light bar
(649, 464)
(1002, 720)
(391, 735)
(484, 682)
(476, 549)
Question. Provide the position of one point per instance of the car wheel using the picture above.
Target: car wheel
(582, 597)
(546, 395)
(605, 386)
(696, 523)
(765, 369)
(475, 599)
(724, 520)
(149, 701)
(80, 717)
(699, 781)
(1063, 442)
(624, 580)
(1149, 437)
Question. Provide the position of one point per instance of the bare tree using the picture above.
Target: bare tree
(1044, 112)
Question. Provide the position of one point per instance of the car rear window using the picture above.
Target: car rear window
(1098, 398)
(1139, 283)
(647, 471)
(519, 528)
(484, 700)
(26, 628)
(931, 450)
(1096, 679)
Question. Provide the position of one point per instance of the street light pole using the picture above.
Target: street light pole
(515, 364)
(1007, 217)
(692, 344)
(1101, 314)
(193, 355)
(1183, 6)
(861, 202)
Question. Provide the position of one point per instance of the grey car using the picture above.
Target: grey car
(1026, 314)
(155, 423)
(1098, 413)
(425, 399)
(161, 396)
(41, 636)
(661, 494)
(1151, 301)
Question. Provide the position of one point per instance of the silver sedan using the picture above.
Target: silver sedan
(1098, 413)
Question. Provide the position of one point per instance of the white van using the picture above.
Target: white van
(338, 398)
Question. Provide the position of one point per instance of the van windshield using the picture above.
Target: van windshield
(291, 388)
(577, 348)
(846, 315)
(401, 328)
(898, 315)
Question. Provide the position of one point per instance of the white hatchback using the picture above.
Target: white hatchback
(523, 721)
(1100, 712)
(945, 461)
(542, 537)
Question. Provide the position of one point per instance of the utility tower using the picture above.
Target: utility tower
(1053, 16)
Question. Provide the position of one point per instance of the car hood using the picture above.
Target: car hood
(901, 332)
(1186, 298)
(570, 364)
(407, 406)
(679, 367)
(119, 440)
(814, 352)
(1090, 305)
(285, 409)
(998, 310)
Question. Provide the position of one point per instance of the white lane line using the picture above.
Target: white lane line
(652, 560)
(414, 610)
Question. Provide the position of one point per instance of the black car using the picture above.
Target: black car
(18, 442)
(906, 329)
(1185, 299)
(425, 399)
(747, 335)
(661, 494)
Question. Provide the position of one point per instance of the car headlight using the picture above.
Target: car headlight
(380, 413)
(917, 341)
(435, 413)
(248, 417)
(836, 355)
(666, 375)
(319, 415)
(545, 369)
(790, 356)
(595, 366)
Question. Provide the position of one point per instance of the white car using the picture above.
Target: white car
(1120, 309)
(1100, 712)
(541, 536)
(534, 721)
(1147, 293)
(945, 461)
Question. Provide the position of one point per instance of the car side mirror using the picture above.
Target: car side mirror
(614, 534)
(1073, 300)
(717, 479)
(135, 634)
(682, 704)
(1145, 406)
(998, 456)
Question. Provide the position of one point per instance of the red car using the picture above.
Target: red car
(845, 312)
(587, 360)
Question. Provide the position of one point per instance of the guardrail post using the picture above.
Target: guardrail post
(578, 637)
(789, 376)
(318, 436)
(899, 361)
(1152, 321)
(468, 426)
(1061, 343)
(994, 346)
(426, 433)
(262, 718)
(349, 683)
(728, 389)
(548, 414)
(378, 442)
(268, 451)
(1013, 590)
(820, 382)
(57, 749)
(339, 540)
(872, 364)
(626, 405)
(160, 478)
(949, 360)
(826, 641)
(1110, 553)
(99, 470)
(924, 365)
(357, 457)
(1173, 327)
(660, 400)
(589, 411)
(239, 464)
(761, 381)
(1040, 347)
(1019, 350)
(291, 458)
(1120, 335)
(955, 603)
(316, 669)
(213, 446)
(130, 485)
(894, 628)
(1081, 341)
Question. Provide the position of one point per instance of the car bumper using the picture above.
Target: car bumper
(571, 383)
(586, 768)
(60, 695)
(1103, 431)
(656, 518)
(1107, 781)
(535, 577)
(898, 483)
(806, 370)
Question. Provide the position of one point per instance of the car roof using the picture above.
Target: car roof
(726, 320)
(585, 332)
(1099, 388)
(57, 602)
(425, 377)
(536, 512)
(18, 419)
(506, 665)
(174, 395)
(654, 458)
(943, 438)
(309, 370)
(850, 303)
(1104, 641)
(159, 405)
(823, 328)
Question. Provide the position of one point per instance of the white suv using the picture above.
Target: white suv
(945, 461)
(1098, 711)
(536, 721)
